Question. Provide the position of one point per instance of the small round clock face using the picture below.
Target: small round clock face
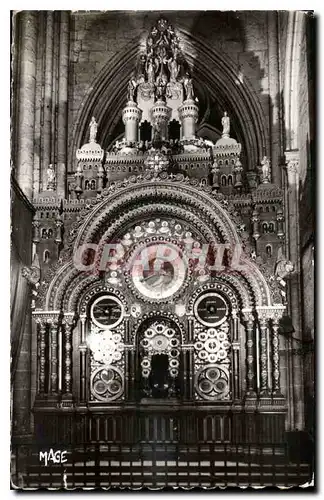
(107, 312)
(158, 271)
(211, 309)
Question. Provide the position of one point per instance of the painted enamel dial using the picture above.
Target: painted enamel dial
(107, 312)
(158, 271)
(210, 309)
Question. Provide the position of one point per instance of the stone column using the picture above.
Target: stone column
(62, 119)
(264, 383)
(69, 324)
(26, 106)
(274, 94)
(42, 357)
(48, 77)
(236, 364)
(276, 390)
(83, 362)
(54, 362)
(250, 356)
(38, 129)
(296, 391)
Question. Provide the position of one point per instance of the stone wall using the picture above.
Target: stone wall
(22, 358)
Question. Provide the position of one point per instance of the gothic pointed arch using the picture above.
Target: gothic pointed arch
(107, 91)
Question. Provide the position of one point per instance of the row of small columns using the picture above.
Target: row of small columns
(54, 331)
(266, 319)
(51, 326)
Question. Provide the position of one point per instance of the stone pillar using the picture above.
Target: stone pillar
(83, 362)
(54, 361)
(26, 106)
(274, 94)
(276, 390)
(296, 391)
(69, 324)
(236, 358)
(48, 77)
(131, 117)
(38, 129)
(264, 383)
(188, 114)
(62, 119)
(250, 356)
(21, 395)
(41, 361)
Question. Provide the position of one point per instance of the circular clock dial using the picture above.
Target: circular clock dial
(107, 312)
(211, 309)
(158, 271)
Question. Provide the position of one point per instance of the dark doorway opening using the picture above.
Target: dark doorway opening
(174, 130)
(159, 376)
(146, 131)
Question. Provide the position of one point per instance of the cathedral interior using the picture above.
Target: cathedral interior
(162, 248)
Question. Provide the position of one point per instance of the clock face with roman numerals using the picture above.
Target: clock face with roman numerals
(107, 312)
(210, 309)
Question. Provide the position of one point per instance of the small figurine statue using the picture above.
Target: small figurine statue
(140, 73)
(173, 68)
(188, 88)
(226, 125)
(160, 89)
(150, 71)
(131, 90)
(51, 178)
(32, 275)
(283, 269)
(93, 129)
(266, 172)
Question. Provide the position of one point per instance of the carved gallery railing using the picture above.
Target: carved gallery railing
(155, 465)
(179, 424)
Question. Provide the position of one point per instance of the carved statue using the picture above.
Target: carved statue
(266, 172)
(283, 268)
(32, 273)
(226, 125)
(160, 89)
(150, 71)
(173, 68)
(93, 129)
(188, 88)
(141, 69)
(131, 90)
(51, 177)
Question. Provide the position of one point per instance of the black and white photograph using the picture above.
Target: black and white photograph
(162, 253)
